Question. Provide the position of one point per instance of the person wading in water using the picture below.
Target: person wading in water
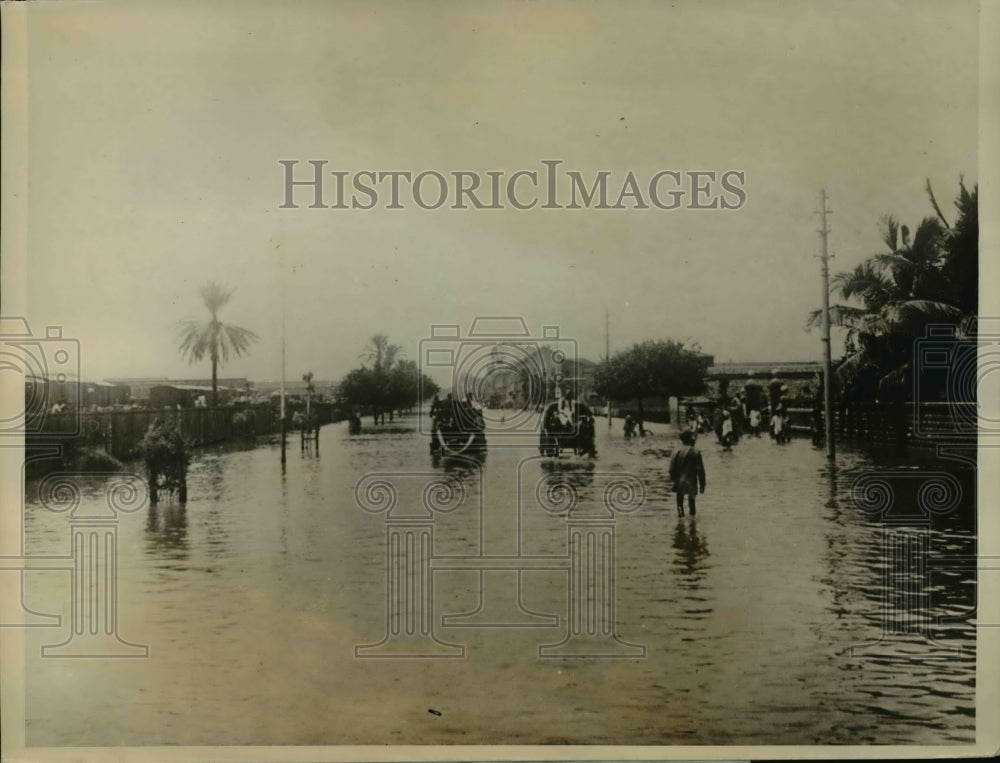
(687, 473)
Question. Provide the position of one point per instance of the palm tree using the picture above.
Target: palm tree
(381, 353)
(214, 338)
(916, 282)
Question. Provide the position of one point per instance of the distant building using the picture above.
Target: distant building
(232, 382)
(72, 391)
(140, 386)
(298, 388)
(184, 395)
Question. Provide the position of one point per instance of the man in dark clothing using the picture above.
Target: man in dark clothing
(629, 426)
(687, 473)
(774, 392)
(817, 426)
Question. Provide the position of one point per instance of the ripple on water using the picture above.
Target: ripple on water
(262, 585)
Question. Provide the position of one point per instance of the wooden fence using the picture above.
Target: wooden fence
(119, 432)
(905, 423)
(917, 424)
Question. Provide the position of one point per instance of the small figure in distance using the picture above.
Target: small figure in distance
(779, 430)
(817, 426)
(727, 431)
(354, 423)
(629, 426)
(702, 424)
(687, 473)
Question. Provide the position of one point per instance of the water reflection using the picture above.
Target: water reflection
(691, 547)
(463, 466)
(695, 598)
(211, 476)
(210, 485)
(828, 476)
(575, 476)
(167, 529)
(749, 610)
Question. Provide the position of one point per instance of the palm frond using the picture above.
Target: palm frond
(911, 317)
(845, 316)
(930, 193)
(236, 339)
(215, 296)
(890, 260)
(867, 283)
(927, 240)
(890, 232)
(875, 324)
(195, 340)
(852, 365)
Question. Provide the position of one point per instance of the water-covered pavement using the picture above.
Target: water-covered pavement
(253, 598)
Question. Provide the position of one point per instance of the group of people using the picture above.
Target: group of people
(744, 413)
(734, 416)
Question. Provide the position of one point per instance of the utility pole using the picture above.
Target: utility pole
(824, 233)
(607, 353)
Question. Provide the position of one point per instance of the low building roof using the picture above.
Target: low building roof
(191, 387)
(762, 372)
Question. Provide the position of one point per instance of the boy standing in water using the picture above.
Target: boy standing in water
(687, 473)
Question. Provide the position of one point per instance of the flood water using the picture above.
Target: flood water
(775, 616)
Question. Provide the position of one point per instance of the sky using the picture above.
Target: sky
(156, 132)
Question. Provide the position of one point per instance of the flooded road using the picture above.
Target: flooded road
(776, 616)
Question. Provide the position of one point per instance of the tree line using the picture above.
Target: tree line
(389, 384)
(654, 368)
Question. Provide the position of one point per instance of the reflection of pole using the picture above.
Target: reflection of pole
(827, 391)
(607, 353)
(282, 379)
